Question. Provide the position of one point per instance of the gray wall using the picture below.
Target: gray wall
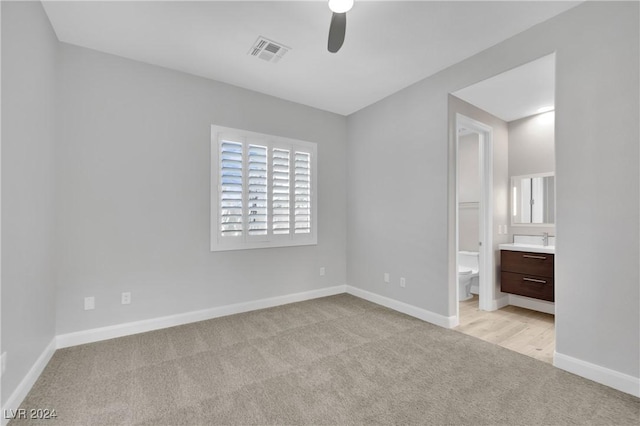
(532, 150)
(134, 193)
(400, 215)
(597, 151)
(468, 192)
(532, 145)
(468, 169)
(29, 50)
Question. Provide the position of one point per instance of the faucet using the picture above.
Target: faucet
(545, 239)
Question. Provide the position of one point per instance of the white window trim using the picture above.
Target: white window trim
(219, 243)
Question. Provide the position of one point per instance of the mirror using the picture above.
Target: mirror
(533, 199)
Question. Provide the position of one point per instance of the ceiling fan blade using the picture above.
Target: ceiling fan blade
(337, 31)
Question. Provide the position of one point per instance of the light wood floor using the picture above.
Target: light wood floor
(522, 330)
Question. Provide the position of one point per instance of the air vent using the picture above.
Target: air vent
(268, 50)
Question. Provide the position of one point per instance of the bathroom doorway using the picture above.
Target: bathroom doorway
(518, 105)
(474, 212)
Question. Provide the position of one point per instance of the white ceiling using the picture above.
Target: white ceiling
(389, 44)
(516, 93)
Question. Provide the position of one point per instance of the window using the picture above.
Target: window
(263, 190)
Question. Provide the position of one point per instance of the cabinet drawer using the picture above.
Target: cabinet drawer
(540, 264)
(527, 285)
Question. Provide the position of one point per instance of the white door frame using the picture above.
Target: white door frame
(486, 261)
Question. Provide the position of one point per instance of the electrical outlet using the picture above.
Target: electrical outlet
(322, 271)
(89, 303)
(403, 282)
(3, 361)
(126, 298)
(387, 278)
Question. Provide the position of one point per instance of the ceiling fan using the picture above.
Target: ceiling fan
(338, 23)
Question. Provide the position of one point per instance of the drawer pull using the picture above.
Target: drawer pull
(533, 280)
(530, 256)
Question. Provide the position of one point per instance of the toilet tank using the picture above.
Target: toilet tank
(468, 259)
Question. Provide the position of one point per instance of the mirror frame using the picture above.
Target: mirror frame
(513, 200)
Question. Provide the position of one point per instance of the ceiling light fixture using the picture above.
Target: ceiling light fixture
(338, 26)
(340, 6)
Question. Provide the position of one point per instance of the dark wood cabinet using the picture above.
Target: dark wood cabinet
(527, 274)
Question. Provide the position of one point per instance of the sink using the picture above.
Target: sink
(536, 248)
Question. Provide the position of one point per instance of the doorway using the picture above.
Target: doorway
(518, 105)
(483, 133)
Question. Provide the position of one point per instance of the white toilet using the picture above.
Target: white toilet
(467, 273)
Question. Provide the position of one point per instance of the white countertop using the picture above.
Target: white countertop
(528, 247)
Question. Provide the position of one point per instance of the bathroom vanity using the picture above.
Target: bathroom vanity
(527, 264)
(527, 270)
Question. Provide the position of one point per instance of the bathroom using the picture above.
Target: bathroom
(518, 108)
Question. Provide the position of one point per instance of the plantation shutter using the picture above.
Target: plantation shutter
(257, 190)
(231, 207)
(264, 191)
(302, 185)
(281, 188)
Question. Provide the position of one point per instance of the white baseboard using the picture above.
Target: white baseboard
(499, 303)
(119, 330)
(605, 376)
(614, 379)
(405, 308)
(533, 304)
(18, 395)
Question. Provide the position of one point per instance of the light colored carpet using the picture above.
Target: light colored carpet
(335, 360)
